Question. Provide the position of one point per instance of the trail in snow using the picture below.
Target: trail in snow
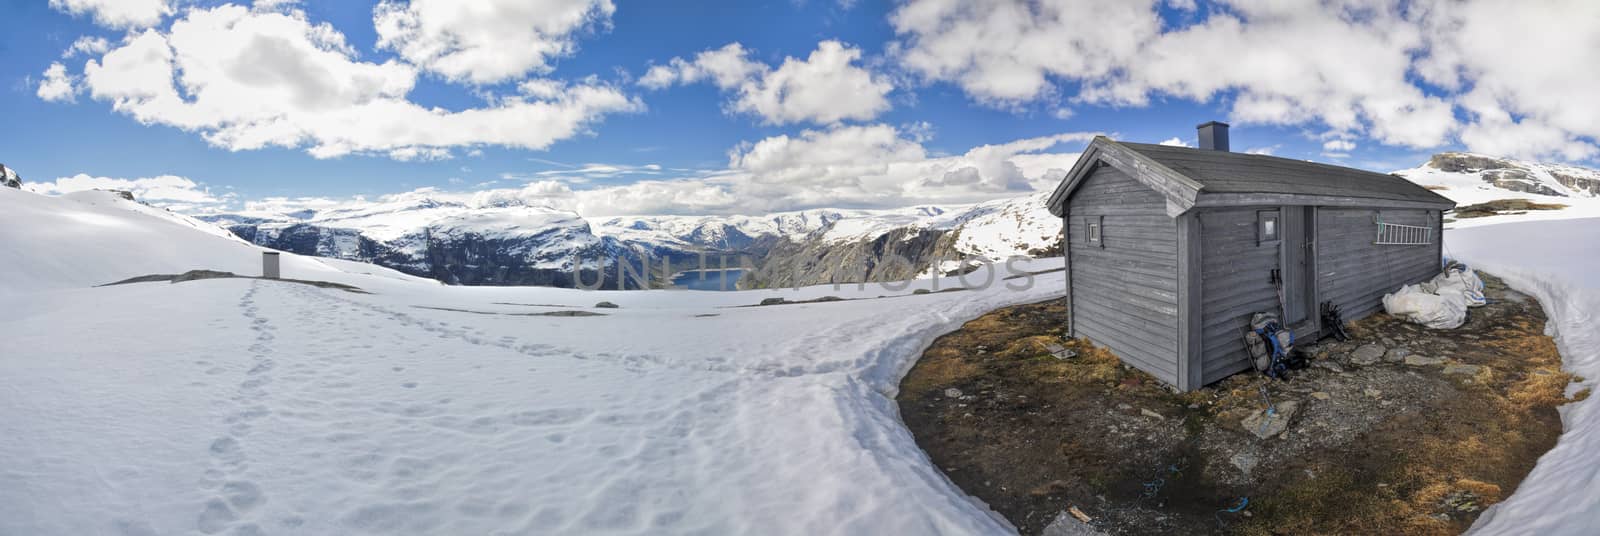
(268, 407)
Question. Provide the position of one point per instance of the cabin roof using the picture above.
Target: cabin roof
(1191, 177)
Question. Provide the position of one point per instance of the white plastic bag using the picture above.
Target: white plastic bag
(1444, 310)
(1458, 279)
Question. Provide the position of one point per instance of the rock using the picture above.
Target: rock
(1319, 395)
(1265, 424)
(1149, 413)
(1462, 369)
(952, 393)
(1066, 525)
(922, 291)
(1245, 461)
(1419, 360)
(1396, 355)
(1329, 365)
(125, 194)
(1374, 393)
(9, 178)
(606, 305)
(773, 301)
(1367, 355)
(1124, 407)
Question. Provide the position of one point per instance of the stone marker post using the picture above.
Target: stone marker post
(269, 264)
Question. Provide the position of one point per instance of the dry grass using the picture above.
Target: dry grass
(1498, 206)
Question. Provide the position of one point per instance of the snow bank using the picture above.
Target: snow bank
(1557, 262)
(92, 238)
(248, 406)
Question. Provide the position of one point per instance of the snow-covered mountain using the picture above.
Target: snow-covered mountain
(513, 243)
(1470, 179)
(1476, 171)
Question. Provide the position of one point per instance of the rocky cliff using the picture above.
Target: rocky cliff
(1527, 177)
(9, 178)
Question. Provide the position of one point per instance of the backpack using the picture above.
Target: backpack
(1270, 345)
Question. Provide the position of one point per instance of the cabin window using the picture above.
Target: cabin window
(1267, 227)
(1094, 233)
(1093, 227)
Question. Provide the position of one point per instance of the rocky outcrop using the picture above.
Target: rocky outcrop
(9, 178)
(897, 255)
(1527, 177)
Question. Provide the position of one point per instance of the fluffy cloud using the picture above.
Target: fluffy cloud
(485, 41)
(87, 45)
(117, 13)
(1005, 52)
(867, 166)
(1501, 77)
(1339, 146)
(248, 80)
(1518, 69)
(825, 88)
(169, 191)
(57, 85)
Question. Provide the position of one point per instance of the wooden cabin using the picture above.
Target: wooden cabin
(1170, 250)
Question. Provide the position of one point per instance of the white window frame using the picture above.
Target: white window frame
(1094, 231)
(1265, 218)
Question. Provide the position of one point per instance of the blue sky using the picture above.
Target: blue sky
(920, 86)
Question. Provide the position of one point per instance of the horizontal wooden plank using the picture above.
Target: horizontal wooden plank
(1127, 346)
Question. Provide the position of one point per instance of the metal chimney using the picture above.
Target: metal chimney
(269, 264)
(1213, 136)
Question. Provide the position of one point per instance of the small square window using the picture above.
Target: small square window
(1093, 229)
(1267, 227)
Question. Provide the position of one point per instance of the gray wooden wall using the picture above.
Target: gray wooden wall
(1235, 283)
(1355, 273)
(1125, 295)
(1351, 271)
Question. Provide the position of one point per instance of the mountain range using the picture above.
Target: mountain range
(510, 242)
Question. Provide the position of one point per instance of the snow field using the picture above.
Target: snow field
(1555, 262)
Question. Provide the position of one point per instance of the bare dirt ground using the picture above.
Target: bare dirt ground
(1402, 430)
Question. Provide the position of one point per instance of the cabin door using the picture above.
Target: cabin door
(1296, 265)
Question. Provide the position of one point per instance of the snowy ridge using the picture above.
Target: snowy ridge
(92, 238)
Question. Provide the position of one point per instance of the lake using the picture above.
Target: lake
(714, 279)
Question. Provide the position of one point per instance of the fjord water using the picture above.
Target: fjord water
(708, 279)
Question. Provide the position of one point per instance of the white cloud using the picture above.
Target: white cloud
(274, 5)
(1340, 146)
(727, 67)
(117, 14)
(867, 166)
(57, 85)
(1004, 52)
(257, 79)
(485, 41)
(1506, 71)
(170, 191)
(1175, 142)
(87, 45)
(1515, 68)
(827, 87)
(1267, 150)
(875, 166)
